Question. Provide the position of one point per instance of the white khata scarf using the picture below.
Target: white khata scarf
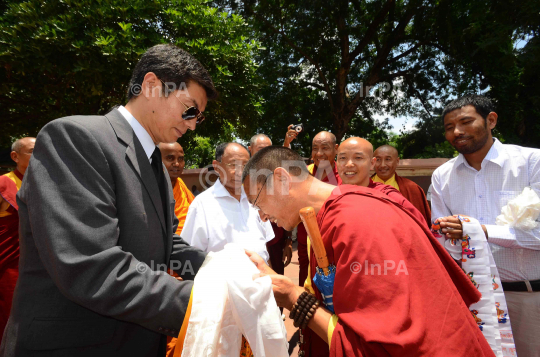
(491, 312)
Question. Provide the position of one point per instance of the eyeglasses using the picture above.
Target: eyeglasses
(235, 166)
(255, 202)
(190, 112)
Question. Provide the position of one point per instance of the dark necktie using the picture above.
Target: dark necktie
(157, 167)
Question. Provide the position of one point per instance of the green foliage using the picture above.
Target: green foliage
(66, 57)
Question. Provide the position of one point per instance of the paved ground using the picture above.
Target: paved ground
(291, 271)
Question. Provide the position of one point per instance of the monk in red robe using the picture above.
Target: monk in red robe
(280, 248)
(354, 160)
(397, 292)
(10, 183)
(323, 153)
(385, 164)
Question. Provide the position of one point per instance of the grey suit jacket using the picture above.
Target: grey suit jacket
(93, 236)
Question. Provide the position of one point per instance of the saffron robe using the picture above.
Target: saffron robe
(414, 304)
(9, 245)
(183, 198)
(301, 234)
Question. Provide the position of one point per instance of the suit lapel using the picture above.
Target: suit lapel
(137, 157)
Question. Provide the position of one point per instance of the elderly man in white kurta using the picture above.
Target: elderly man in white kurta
(222, 214)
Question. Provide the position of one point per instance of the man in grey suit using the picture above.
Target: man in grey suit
(97, 223)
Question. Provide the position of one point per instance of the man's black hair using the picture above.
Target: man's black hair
(171, 64)
(483, 105)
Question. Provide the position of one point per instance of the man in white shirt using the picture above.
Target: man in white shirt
(479, 183)
(222, 214)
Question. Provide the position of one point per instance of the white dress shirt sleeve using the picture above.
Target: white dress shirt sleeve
(438, 207)
(508, 237)
(195, 231)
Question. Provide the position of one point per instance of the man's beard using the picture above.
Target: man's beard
(474, 145)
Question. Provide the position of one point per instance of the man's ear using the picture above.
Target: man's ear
(282, 180)
(151, 86)
(217, 168)
(14, 156)
(491, 120)
(373, 160)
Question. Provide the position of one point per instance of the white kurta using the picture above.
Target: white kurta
(215, 218)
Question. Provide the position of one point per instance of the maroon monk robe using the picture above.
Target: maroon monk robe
(420, 311)
(414, 193)
(9, 250)
(398, 197)
(301, 234)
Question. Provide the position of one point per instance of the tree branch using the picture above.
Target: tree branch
(371, 31)
(404, 54)
(302, 52)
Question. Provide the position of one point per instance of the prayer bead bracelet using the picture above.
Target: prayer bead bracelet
(304, 309)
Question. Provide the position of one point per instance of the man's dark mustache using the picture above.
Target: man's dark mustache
(462, 138)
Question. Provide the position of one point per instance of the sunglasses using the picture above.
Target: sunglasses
(190, 112)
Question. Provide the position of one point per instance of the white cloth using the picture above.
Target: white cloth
(144, 138)
(524, 307)
(491, 312)
(506, 170)
(216, 218)
(227, 303)
(522, 211)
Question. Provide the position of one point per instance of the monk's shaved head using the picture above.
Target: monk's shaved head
(326, 134)
(387, 149)
(324, 149)
(356, 142)
(21, 151)
(354, 160)
(386, 162)
(169, 146)
(172, 155)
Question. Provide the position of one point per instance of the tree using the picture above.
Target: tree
(481, 50)
(338, 53)
(59, 58)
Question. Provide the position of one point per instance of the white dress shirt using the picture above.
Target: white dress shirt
(141, 133)
(506, 170)
(216, 218)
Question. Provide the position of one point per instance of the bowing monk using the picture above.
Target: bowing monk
(354, 160)
(385, 164)
(323, 153)
(10, 183)
(416, 306)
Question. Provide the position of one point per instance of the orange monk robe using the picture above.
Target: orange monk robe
(183, 197)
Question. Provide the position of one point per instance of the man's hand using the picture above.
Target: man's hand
(290, 136)
(287, 252)
(259, 263)
(285, 291)
(451, 227)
